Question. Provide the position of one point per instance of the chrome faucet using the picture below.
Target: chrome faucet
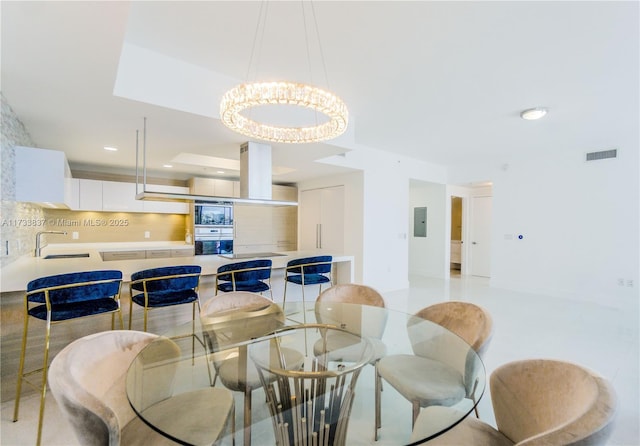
(38, 247)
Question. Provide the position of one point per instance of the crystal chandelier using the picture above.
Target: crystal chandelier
(246, 96)
(236, 105)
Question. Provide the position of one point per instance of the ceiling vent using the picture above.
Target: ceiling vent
(602, 155)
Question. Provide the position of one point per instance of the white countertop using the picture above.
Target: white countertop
(16, 275)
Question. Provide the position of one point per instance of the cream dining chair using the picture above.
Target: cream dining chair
(345, 306)
(449, 371)
(536, 402)
(229, 320)
(88, 381)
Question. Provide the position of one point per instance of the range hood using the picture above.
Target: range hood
(255, 179)
(255, 171)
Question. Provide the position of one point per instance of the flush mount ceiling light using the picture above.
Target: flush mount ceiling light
(110, 149)
(237, 103)
(532, 114)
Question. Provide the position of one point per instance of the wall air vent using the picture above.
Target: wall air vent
(602, 155)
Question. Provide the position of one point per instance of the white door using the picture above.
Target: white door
(480, 230)
(309, 218)
(332, 219)
(322, 219)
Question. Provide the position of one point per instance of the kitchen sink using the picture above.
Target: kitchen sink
(67, 256)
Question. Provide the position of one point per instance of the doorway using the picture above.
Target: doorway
(480, 236)
(455, 261)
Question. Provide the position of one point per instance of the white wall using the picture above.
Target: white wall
(386, 227)
(428, 255)
(579, 222)
(376, 218)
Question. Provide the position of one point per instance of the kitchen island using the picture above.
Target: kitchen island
(16, 275)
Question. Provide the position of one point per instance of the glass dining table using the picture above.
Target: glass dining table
(320, 377)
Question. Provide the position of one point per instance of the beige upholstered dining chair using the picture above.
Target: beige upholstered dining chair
(87, 379)
(229, 320)
(536, 402)
(353, 319)
(449, 370)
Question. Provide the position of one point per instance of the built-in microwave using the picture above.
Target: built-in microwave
(213, 213)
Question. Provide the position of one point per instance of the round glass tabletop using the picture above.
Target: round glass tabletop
(333, 377)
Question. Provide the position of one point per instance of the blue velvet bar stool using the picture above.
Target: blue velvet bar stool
(164, 287)
(253, 276)
(307, 271)
(62, 298)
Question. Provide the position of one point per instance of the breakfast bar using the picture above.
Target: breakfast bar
(132, 257)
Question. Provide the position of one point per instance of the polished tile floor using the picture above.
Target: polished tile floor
(600, 337)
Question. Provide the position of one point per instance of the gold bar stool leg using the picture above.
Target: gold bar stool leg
(193, 333)
(130, 308)
(247, 417)
(44, 381)
(284, 298)
(23, 350)
(378, 420)
(121, 319)
(304, 307)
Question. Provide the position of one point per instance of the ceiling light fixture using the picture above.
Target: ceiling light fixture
(532, 114)
(249, 95)
(246, 96)
(111, 149)
(168, 166)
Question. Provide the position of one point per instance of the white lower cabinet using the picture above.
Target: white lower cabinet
(124, 255)
(158, 253)
(182, 252)
(134, 254)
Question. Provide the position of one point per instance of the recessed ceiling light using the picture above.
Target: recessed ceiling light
(111, 149)
(220, 171)
(532, 114)
(168, 166)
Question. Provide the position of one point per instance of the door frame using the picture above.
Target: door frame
(466, 192)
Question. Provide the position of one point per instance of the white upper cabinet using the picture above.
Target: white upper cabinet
(90, 195)
(43, 177)
(166, 207)
(114, 196)
(120, 197)
(213, 187)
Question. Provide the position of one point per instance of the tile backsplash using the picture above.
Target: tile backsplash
(16, 239)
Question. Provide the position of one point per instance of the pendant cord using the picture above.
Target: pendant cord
(262, 19)
(308, 45)
(324, 65)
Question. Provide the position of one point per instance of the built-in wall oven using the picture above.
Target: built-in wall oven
(213, 240)
(213, 228)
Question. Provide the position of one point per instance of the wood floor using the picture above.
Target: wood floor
(11, 327)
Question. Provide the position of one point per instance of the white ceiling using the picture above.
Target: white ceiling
(443, 82)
